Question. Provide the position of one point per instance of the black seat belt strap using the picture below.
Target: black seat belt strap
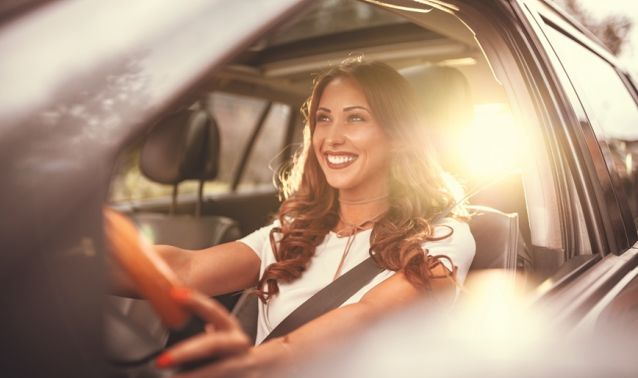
(333, 295)
(328, 298)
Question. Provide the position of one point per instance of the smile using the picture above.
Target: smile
(339, 161)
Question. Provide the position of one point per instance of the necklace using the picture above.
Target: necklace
(360, 202)
(353, 228)
(352, 231)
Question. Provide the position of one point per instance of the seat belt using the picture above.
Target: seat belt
(333, 295)
(337, 292)
(328, 298)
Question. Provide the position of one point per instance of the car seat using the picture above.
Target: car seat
(496, 236)
(183, 146)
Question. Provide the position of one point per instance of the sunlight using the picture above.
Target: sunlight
(492, 144)
(496, 319)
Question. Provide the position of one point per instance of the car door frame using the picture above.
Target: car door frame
(617, 257)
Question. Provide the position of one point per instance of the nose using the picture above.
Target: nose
(334, 136)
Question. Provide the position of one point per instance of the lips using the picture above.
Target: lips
(339, 160)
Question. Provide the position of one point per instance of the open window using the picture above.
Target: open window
(481, 113)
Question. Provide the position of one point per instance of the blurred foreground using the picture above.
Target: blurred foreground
(495, 330)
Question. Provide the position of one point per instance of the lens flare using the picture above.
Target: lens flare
(492, 144)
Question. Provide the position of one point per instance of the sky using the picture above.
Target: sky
(601, 8)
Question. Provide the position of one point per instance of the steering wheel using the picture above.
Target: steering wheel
(152, 277)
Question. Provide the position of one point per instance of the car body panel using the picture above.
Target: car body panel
(71, 97)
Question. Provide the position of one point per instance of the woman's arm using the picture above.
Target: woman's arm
(393, 293)
(216, 270)
(221, 269)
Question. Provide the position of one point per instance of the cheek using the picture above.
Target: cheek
(375, 142)
(382, 157)
(316, 143)
(379, 150)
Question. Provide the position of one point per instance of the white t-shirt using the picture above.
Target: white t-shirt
(459, 247)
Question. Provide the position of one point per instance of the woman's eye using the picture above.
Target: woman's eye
(322, 118)
(356, 118)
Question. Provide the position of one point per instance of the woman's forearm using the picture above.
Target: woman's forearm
(216, 270)
(121, 284)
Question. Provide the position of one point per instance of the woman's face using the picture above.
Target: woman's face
(351, 147)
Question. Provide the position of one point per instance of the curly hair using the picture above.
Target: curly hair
(419, 189)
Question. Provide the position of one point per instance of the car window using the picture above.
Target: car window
(611, 110)
(238, 117)
(481, 137)
(265, 156)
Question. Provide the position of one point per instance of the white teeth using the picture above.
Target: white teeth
(339, 159)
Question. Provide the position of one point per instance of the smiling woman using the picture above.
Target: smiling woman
(367, 149)
(363, 188)
(347, 135)
(361, 176)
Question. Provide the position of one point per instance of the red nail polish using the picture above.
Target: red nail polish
(164, 361)
(181, 293)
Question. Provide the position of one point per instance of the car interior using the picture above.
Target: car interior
(204, 174)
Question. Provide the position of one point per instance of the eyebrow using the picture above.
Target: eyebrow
(346, 109)
(349, 108)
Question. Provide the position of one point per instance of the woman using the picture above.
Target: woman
(364, 183)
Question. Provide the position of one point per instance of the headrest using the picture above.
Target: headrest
(443, 93)
(445, 101)
(182, 146)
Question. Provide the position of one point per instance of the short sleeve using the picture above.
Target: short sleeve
(459, 247)
(259, 240)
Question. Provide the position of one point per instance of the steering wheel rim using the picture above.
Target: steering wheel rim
(152, 276)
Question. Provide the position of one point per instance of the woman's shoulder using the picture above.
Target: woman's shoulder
(455, 229)
(257, 239)
(266, 229)
(452, 237)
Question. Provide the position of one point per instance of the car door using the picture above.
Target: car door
(599, 103)
(80, 79)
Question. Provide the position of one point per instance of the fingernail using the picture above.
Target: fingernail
(180, 293)
(164, 361)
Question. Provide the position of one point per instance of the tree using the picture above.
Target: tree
(612, 30)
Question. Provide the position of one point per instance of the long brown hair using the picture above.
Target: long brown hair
(419, 189)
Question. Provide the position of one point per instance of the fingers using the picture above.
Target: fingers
(205, 345)
(224, 336)
(240, 366)
(207, 309)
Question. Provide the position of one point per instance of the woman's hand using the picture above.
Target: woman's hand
(223, 339)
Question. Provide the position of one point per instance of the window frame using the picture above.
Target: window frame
(581, 284)
(603, 212)
(619, 224)
(533, 94)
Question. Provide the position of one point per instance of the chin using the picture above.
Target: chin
(340, 184)
(337, 183)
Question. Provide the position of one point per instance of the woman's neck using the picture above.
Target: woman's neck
(359, 211)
